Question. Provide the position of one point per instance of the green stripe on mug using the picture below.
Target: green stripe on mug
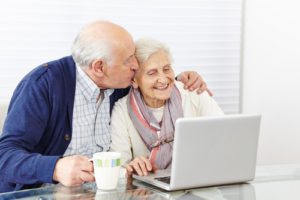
(108, 163)
(115, 162)
(100, 164)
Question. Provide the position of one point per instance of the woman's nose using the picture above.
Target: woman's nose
(162, 78)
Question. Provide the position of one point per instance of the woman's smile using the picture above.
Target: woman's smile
(162, 88)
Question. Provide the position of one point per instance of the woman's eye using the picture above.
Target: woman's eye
(151, 73)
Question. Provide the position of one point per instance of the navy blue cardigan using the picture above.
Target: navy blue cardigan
(38, 126)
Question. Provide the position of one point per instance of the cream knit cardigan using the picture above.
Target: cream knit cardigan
(127, 141)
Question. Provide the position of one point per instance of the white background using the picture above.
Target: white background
(204, 35)
(271, 76)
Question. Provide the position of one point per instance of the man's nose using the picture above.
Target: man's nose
(134, 65)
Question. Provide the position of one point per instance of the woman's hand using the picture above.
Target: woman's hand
(193, 81)
(140, 166)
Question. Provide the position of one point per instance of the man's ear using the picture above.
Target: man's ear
(99, 67)
(134, 83)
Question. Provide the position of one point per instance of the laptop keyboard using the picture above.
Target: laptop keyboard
(165, 179)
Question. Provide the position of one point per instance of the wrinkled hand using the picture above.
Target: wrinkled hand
(192, 81)
(140, 166)
(73, 170)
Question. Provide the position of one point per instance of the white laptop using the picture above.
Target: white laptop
(210, 151)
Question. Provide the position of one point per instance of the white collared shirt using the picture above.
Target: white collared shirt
(91, 119)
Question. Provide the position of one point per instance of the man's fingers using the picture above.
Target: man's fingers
(209, 92)
(192, 81)
(195, 85)
(85, 164)
(86, 177)
(182, 78)
(76, 181)
(202, 88)
(68, 169)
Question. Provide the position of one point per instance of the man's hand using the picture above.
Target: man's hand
(192, 81)
(73, 170)
(140, 165)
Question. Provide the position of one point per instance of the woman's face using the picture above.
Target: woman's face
(155, 78)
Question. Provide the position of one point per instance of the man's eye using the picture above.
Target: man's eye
(129, 60)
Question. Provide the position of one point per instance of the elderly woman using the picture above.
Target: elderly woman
(143, 122)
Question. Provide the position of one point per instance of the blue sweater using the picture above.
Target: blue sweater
(38, 126)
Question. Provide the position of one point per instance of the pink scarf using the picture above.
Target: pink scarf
(148, 127)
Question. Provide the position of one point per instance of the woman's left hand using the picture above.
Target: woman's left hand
(192, 81)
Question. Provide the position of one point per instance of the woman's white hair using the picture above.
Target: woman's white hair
(86, 48)
(145, 47)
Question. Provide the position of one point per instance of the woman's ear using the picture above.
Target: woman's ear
(134, 83)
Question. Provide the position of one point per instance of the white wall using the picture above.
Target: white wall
(203, 35)
(271, 76)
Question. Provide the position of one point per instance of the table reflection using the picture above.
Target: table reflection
(244, 191)
(276, 183)
(129, 189)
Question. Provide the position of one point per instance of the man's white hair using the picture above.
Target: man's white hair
(86, 49)
(145, 47)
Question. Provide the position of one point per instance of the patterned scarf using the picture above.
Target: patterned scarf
(157, 138)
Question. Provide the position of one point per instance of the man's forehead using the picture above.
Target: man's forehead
(124, 47)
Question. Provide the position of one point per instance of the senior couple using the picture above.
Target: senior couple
(59, 114)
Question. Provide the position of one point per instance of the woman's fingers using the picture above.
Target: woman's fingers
(129, 170)
(140, 165)
(154, 168)
(137, 168)
(148, 163)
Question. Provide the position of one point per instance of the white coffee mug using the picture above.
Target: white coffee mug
(106, 169)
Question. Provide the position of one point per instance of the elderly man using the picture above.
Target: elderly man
(59, 114)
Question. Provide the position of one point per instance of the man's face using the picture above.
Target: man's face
(155, 79)
(121, 72)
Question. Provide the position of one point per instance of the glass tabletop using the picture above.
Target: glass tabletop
(271, 182)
